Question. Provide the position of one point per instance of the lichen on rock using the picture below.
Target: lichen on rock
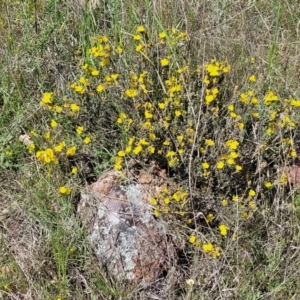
(128, 241)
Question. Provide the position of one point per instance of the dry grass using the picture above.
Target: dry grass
(43, 249)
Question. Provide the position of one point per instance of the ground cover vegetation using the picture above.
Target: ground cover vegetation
(208, 90)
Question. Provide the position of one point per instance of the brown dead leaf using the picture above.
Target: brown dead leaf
(293, 174)
(25, 139)
(5, 269)
(145, 178)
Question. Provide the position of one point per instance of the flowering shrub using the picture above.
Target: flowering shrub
(182, 116)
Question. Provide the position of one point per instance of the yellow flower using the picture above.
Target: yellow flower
(162, 105)
(268, 184)
(59, 147)
(244, 215)
(108, 80)
(130, 93)
(255, 114)
(190, 282)
(79, 89)
(207, 247)
(114, 76)
(252, 78)
(238, 168)
(172, 162)
(47, 98)
(164, 62)
(293, 153)
(209, 218)
(57, 108)
(121, 153)
(206, 80)
(102, 39)
(94, 72)
(118, 164)
(71, 151)
(252, 205)
(177, 113)
(226, 69)
(233, 115)
(74, 170)
(205, 165)
(250, 93)
(100, 88)
(295, 103)
(137, 149)
(254, 100)
(241, 126)
(209, 142)
(162, 35)
(30, 147)
(143, 142)
(156, 213)
(273, 115)
(104, 62)
(9, 153)
(209, 98)
(141, 28)
(192, 239)
(79, 129)
(269, 131)
(75, 107)
(47, 135)
(180, 138)
(139, 47)
(230, 161)
(223, 229)
(235, 198)
(85, 67)
(216, 252)
(137, 37)
(232, 144)
(270, 97)
(87, 140)
(283, 179)
(220, 165)
(65, 190)
(233, 155)
(252, 193)
(244, 98)
(224, 202)
(131, 140)
(128, 149)
(230, 107)
(148, 114)
(170, 154)
(213, 70)
(84, 80)
(153, 201)
(151, 149)
(166, 200)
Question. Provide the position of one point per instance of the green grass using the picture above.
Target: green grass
(44, 252)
